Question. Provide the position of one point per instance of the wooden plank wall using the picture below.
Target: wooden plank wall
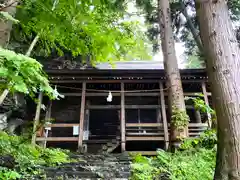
(122, 106)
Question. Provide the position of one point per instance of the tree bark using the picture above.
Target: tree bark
(223, 64)
(5, 25)
(171, 69)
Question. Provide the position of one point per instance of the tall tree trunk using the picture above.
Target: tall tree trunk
(5, 25)
(223, 64)
(179, 118)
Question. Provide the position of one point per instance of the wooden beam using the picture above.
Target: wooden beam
(79, 81)
(147, 153)
(144, 125)
(164, 116)
(57, 139)
(123, 123)
(144, 138)
(37, 116)
(197, 125)
(82, 112)
(95, 94)
(144, 134)
(131, 107)
(61, 125)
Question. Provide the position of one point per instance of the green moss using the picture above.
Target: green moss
(179, 118)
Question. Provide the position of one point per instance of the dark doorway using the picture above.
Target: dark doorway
(104, 124)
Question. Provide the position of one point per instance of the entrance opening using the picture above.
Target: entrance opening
(104, 127)
(104, 124)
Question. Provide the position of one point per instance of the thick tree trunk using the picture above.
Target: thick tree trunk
(171, 69)
(223, 64)
(6, 26)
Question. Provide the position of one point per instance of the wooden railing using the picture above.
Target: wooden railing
(46, 138)
(155, 131)
(135, 132)
(195, 129)
(144, 132)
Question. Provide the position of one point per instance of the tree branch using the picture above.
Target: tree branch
(28, 53)
(8, 5)
(32, 45)
(191, 27)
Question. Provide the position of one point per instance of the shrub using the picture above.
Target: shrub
(193, 161)
(192, 164)
(28, 157)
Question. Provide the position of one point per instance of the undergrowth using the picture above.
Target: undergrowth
(193, 161)
(28, 158)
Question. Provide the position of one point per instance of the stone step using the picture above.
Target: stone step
(77, 174)
(89, 166)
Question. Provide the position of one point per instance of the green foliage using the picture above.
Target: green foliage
(143, 168)
(24, 74)
(179, 119)
(7, 17)
(194, 160)
(200, 105)
(29, 158)
(182, 32)
(95, 28)
(8, 174)
(207, 140)
(191, 164)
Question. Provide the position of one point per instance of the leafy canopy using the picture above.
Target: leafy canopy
(181, 29)
(23, 74)
(90, 27)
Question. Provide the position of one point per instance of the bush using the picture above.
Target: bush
(192, 164)
(207, 140)
(195, 160)
(28, 157)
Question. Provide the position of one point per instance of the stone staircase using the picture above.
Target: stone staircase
(90, 166)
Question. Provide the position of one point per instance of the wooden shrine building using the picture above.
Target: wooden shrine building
(135, 119)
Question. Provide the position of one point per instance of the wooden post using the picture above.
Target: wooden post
(37, 116)
(48, 116)
(86, 120)
(80, 137)
(164, 116)
(123, 123)
(204, 89)
(197, 116)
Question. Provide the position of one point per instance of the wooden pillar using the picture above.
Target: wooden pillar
(123, 124)
(204, 89)
(205, 95)
(164, 116)
(82, 112)
(86, 120)
(37, 116)
(48, 116)
(197, 116)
